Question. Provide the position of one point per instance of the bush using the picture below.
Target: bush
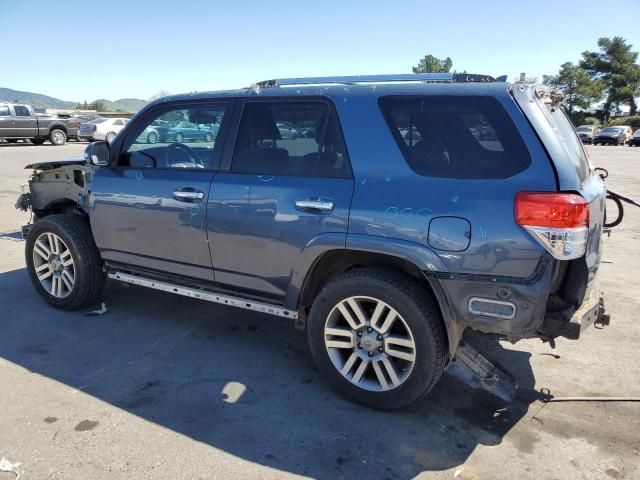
(633, 121)
(591, 121)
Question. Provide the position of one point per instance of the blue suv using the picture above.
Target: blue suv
(416, 206)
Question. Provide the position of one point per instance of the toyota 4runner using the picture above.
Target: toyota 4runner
(414, 207)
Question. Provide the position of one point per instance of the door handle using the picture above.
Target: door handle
(188, 195)
(317, 205)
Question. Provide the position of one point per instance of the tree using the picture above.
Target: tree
(579, 89)
(97, 106)
(431, 64)
(159, 94)
(85, 106)
(615, 65)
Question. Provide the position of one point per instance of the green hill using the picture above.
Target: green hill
(38, 100)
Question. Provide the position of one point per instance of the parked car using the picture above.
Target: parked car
(20, 122)
(102, 128)
(610, 136)
(73, 122)
(189, 131)
(587, 132)
(635, 139)
(287, 131)
(627, 131)
(384, 250)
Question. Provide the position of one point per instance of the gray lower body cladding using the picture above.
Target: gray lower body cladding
(512, 307)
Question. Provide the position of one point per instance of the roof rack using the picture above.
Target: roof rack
(359, 79)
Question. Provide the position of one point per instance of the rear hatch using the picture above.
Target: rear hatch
(575, 174)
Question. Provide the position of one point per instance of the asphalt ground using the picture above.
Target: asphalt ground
(163, 386)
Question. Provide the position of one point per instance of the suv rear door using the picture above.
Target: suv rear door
(574, 174)
(276, 195)
(148, 207)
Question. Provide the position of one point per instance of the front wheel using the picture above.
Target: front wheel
(63, 261)
(377, 337)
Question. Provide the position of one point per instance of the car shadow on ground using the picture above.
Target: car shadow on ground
(244, 383)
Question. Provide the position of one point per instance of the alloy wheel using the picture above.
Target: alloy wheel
(369, 343)
(53, 265)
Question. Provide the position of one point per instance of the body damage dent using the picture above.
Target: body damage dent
(52, 184)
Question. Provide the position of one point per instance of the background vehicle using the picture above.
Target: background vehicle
(587, 132)
(188, 131)
(102, 128)
(21, 122)
(635, 139)
(385, 246)
(610, 136)
(73, 122)
(627, 131)
(287, 131)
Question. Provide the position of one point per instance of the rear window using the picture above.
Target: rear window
(574, 145)
(456, 136)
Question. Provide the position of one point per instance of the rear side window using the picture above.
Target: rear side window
(456, 136)
(574, 146)
(21, 111)
(297, 138)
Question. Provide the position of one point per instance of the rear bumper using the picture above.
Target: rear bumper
(518, 308)
(572, 323)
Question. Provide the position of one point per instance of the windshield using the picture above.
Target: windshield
(610, 130)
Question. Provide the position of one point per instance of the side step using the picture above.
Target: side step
(477, 371)
(205, 295)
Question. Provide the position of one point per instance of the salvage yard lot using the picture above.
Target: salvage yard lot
(169, 387)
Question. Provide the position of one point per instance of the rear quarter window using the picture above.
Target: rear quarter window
(456, 136)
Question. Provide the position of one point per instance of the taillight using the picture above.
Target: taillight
(558, 221)
(95, 127)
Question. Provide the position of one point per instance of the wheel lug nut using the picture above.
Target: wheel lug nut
(359, 334)
(371, 354)
(359, 345)
(380, 349)
(379, 337)
(369, 329)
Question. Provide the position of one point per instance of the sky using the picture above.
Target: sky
(89, 49)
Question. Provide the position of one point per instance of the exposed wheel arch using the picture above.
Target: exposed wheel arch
(336, 262)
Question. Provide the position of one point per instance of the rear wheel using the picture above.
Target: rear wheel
(208, 138)
(377, 337)
(179, 138)
(152, 137)
(57, 137)
(63, 261)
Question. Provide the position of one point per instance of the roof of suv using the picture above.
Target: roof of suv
(342, 86)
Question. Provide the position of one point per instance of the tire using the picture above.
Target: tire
(37, 141)
(57, 137)
(12, 140)
(152, 137)
(417, 321)
(109, 136)
(208, 138)
(85, 271)
(179, 138)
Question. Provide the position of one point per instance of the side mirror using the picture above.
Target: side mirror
(97, 153)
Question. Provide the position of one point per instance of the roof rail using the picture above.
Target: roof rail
(357, 79)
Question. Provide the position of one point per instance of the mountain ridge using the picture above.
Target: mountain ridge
(38, 100)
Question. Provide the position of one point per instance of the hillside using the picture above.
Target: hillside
(38, 100)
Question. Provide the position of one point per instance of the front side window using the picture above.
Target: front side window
(297, 138)
(21, 111)
(175, 138)
(456, 136)
(4, 111)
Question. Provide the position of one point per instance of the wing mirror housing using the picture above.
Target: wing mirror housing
(97, 153)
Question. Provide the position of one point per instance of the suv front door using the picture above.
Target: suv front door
(149, 206)
(276, 195)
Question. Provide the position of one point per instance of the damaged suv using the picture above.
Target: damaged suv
(416, 207)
